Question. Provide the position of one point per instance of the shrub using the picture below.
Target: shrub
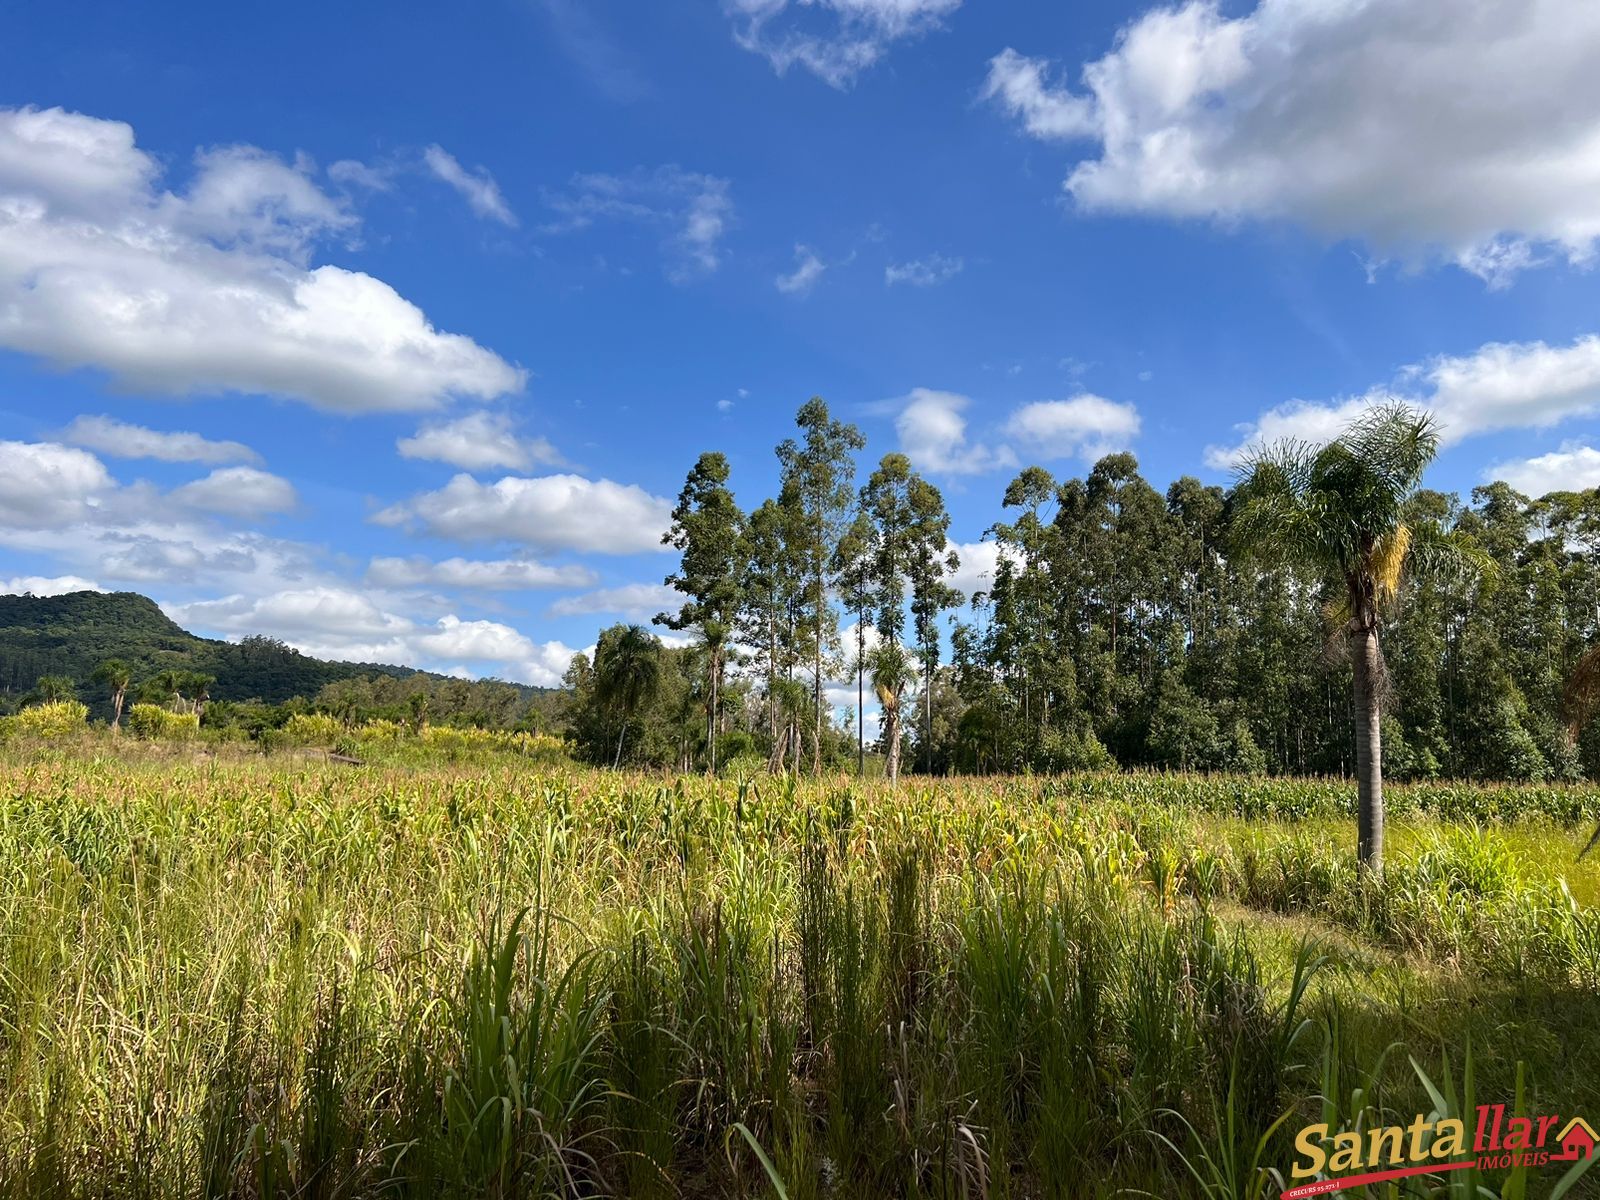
(313, 729)
(156, 724)
(55, 719)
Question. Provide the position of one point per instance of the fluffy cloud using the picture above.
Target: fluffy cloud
(641, 601)
(1354, 119)
(46, 486)
(808, 271)
(977, 562)
(39, 585)
(694, 210)
(834, 39)
(1501, 385)
(477, 442)
(933, 435)
(118, 439)
(237, 492)
(1573, 468)
(326, 617)
(550, 512)
(478, 188)
(478, 574)
(475, 641)
(208, 290)
(1085, 426)
(923, 272)
(333, 622)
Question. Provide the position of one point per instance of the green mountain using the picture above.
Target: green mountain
(72, 634)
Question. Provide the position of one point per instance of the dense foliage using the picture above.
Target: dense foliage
(241, 976)
(1121, 625)
(72, 635)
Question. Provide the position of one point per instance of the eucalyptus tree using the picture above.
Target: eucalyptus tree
(933, 561)
(1338, 510)
(852, 567)
(771, 597)
(708, 532)
(818, 474)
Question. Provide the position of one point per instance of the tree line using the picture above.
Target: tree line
(1197, 628)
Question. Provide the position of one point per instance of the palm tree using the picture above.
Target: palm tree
(892, 673)
(1339, 510)
(627, 673)
(116, 675)
(54, 689)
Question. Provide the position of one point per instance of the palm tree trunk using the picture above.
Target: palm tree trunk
(1369, 751)
(621, 733)
(891, 718)
(117, 699)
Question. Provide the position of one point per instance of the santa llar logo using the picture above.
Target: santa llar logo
(1347, 1160)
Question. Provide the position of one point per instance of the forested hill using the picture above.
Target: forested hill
(71, 635)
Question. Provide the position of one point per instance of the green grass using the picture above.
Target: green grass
(246, 976)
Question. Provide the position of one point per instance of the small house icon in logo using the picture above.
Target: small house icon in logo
(1577, 1141)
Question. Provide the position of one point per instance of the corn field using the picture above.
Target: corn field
(269, 976)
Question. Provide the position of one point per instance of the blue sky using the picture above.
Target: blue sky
(392, 330)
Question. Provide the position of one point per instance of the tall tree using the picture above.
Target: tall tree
(115, 675)
(818, 473)
(627, 674)
(932, 562)
(1338, 510)
(853, 569)
(891, 675)
(769, 618)
(708, 531)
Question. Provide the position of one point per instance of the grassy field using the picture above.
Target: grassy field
(280, 977)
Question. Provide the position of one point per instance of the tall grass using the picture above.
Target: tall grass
(246, 978)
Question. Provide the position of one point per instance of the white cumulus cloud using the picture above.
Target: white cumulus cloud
(479, 441)
(44, 485)
(933, 435)
(1469, 131)
(1501, 385)
(207, 289)
(1573, 468)
(641, 601)
(119, 439)
(40, 585)
(493, 575)
(549, 512)
(238, 492)
(1085, 426)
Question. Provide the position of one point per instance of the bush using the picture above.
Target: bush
(313, 729)
(58, 718)
(156, 724)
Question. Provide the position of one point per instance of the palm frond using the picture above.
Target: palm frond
(1388, 560)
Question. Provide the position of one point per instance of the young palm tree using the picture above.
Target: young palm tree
(1338, 510)
(892, 673)
(627, 674)
(53, 689)
(116, 676)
